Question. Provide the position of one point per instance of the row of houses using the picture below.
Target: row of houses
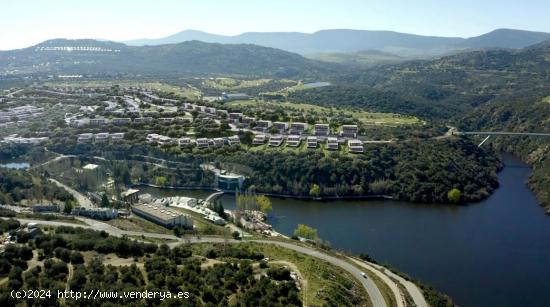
(119, 121)
(292, 128)
(332, 143)
(13, 139)
(99, 137)
(200, 143)
(20, 113)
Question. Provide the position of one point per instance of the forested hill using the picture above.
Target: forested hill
(188, 58)
(442, 88)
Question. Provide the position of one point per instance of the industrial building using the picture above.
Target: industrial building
(162, 216)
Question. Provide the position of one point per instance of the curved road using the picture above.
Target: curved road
(374, 293)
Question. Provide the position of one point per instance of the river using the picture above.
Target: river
(492, 253)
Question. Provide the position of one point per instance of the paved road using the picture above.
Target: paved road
(82, 200)
(371, 288)
(413, 289)
(400, 300)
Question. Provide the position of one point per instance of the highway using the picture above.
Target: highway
(374, 293)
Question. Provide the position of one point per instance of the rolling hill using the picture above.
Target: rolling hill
(187, 58)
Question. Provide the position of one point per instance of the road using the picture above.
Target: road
(82, 200)
(391, 284)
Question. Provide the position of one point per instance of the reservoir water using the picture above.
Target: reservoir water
(492, 253)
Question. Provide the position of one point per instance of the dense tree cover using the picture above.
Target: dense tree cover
(422, 171)
(80, 239)
(233, 280)
(16, 185)
(8, 225)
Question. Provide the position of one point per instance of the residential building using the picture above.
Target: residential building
(202, 143)
(117, 136)
(121, 121)
(332, 143)
(248, 121)
(235, 117)
(185, 142)
(275, 140)
(85, 137)
(293, 141)
(219, 142)
(263, 125)
(322, 129)
(282, 127)
(298, 128)
(259, 139)
(142, 120)
(311, 142)
(97, 121)
(211, 110)
(166, 140)
(222, 113)
(101, 137)
(199, 108)
(233, 140)
(162, 216)
(153, 138)
(349, 131)
(355, 146)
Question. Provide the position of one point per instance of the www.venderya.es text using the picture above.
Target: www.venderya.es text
(96, 294)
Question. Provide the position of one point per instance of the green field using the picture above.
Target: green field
(232, 84)
(369, 118)
(156, 86)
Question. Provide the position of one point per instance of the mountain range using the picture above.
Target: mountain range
(344, 40)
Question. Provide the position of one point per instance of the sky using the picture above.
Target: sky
(25, 23)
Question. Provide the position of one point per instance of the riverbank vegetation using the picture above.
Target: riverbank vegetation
(414, 171)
